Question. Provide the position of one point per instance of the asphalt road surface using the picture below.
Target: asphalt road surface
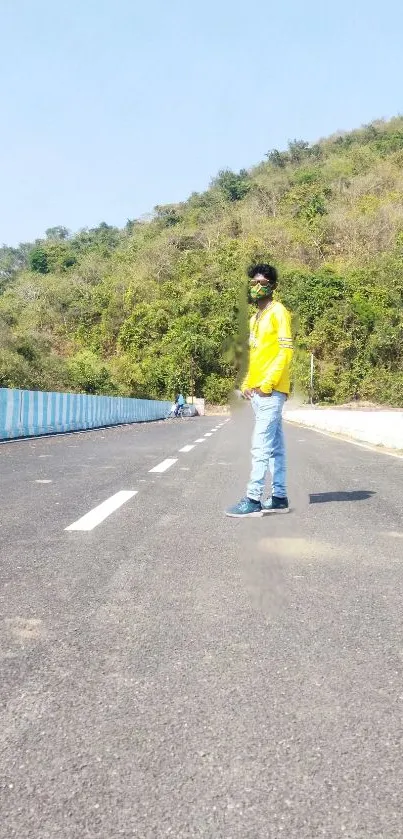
(174, 673)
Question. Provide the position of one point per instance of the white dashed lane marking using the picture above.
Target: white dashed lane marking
(164, 465)
(102, 511)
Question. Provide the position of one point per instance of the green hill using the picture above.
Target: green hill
(159, 306)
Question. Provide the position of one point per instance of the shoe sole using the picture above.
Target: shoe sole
(280, 512)
(245, 515)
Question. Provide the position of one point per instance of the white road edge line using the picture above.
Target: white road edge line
(102, 511)
(164, 465)
(341, 439)
(186, 449)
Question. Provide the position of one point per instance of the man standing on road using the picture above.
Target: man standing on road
(267, 386)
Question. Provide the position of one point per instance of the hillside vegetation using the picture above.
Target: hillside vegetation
(159, 306)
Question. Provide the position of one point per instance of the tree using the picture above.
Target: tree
(58, 233)
(13, 260)
(38, 261)
(233, 186)
(167, 215)
(88, 374)
(277, 158)
(298, 149)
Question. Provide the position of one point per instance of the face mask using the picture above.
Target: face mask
(259, 292)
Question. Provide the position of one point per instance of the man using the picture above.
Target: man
(179, 404)
(267, 386)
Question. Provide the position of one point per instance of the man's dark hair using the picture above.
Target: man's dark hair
(267, 271)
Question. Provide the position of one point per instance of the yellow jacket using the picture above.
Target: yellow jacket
(270, 350)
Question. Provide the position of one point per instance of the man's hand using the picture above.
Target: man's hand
(261, 392)
(247, 394)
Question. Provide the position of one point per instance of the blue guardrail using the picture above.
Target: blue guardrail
(30, 413)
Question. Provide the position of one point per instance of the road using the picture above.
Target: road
(174, 673)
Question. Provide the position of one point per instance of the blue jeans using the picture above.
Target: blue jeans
(268, 449)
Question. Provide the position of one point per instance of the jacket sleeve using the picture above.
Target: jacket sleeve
(285, 353)
(245, 383)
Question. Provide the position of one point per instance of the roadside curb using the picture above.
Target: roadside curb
(390, 442)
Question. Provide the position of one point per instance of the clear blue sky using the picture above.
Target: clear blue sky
(109, 107)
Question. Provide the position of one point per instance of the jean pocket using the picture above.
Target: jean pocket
(265, 398)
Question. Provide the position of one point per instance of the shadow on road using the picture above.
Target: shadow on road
(354, 495)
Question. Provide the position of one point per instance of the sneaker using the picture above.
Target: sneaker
(275, 505)
(245, 507)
